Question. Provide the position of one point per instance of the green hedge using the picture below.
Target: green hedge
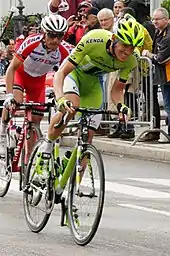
(28, 20)
(166, 4)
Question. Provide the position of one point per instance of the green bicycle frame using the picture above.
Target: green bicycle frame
(74, 160)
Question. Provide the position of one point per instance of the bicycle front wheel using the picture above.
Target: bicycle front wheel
(85, 201)
(37, 135)
(5, 172)
(39, 193)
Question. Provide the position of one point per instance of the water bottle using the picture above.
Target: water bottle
(65, 160)
(13, 137)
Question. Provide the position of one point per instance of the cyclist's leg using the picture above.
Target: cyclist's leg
(87, 100)
(71, 92)
(18, 95)
(35, 95)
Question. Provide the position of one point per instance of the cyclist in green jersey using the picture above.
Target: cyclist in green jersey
(79, 80)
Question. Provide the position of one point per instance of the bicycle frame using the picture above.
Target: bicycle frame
(61, 183)
(75, 159)
(20, 143)
(27, 107)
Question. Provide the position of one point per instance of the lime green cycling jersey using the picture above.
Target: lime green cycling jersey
(92, 56)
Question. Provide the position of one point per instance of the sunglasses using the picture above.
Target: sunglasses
(55, 35)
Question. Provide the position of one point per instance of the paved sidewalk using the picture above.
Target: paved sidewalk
(149, 151)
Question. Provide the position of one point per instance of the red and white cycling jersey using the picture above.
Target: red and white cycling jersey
(36, 61)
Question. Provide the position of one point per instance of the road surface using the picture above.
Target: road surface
(135, 222)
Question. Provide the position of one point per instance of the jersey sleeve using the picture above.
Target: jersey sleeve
(65, 49)
(28, 45)
(129, 66)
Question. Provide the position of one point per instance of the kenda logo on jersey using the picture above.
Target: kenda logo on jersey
(94, 40)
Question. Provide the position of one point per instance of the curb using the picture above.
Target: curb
(145, 152)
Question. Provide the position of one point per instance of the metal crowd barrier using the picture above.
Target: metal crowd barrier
(139, 97)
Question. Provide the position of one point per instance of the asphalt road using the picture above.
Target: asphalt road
(136, 217)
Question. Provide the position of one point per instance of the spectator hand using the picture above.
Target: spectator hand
(72, 20)
(145, 53)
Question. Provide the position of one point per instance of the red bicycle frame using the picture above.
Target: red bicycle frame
(27, 107)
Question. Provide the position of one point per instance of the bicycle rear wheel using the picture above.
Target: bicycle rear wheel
(5, 172)
(85, 206)
(38, 135)
(39, 195)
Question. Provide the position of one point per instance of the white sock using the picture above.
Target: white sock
(47, 146)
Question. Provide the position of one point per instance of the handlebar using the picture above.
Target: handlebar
(94, 111)
(33, 105)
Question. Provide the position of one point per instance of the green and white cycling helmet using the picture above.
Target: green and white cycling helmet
(129, 31)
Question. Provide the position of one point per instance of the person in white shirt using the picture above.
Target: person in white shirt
(106, 19)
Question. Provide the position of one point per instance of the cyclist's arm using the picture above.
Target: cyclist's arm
(119, 85)
(14, 65)
(117, 92)
(69, 65)
(28, 45)
(59, 77)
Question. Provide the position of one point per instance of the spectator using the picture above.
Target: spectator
(79, 23)
(31, 29)
(106, 19)
(4, 61)
(140, 8)
(118, 6)
(160, 57)
(100, 4)
(92, 21)
(66, 8)
(10, 49)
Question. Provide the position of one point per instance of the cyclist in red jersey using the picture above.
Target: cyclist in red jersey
(36, 56)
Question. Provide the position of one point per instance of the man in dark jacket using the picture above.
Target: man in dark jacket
(100, 4)
(161, 59)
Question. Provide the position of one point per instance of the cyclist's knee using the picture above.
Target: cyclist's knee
(36, 119)
(74, 98)
(18, 95)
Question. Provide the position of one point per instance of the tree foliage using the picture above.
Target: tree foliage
(29, 19)
(10, 29)
(166, 5)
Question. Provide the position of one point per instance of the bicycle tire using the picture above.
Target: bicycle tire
(23, 167)
(82, 241)
(34, 227)
(4, 191)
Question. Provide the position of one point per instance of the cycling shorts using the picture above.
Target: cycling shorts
(34, 86)
(90, 90)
